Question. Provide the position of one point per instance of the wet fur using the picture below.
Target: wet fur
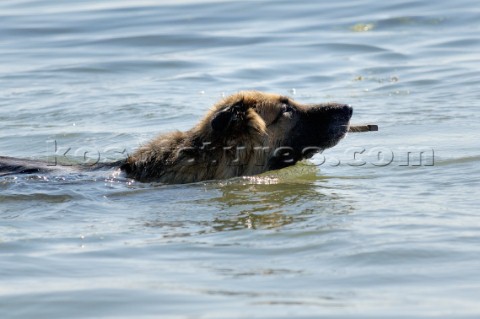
(246, 133)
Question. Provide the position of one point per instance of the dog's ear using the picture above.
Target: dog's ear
(229, 116)
(222, 120)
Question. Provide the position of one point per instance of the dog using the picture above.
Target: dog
(245, 134)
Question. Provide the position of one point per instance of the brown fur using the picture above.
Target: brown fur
(244, 134)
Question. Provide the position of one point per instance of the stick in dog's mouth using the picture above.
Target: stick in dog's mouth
(363, 128)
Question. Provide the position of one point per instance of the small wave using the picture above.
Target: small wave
(42, 197)
(458, 160)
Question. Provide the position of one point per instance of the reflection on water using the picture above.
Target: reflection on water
(270, 201)
(266, 206)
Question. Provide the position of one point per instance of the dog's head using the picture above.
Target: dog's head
(288, 130)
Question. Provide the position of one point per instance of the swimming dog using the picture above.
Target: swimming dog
(247, 133)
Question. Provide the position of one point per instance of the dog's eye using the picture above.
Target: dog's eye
(287, 108)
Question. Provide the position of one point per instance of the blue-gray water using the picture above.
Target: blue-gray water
(346, 240)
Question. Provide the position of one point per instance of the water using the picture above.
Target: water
(327, 238)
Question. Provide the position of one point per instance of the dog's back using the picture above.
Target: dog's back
(10, 166)
(13, 166)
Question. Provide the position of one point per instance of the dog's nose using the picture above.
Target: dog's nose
(329, 110)
(348, 110)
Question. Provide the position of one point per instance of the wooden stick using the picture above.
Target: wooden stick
(363, 128)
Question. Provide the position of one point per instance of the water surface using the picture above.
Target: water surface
(327, 238)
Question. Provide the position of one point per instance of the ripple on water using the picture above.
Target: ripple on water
(339, 241)
(40, 197)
